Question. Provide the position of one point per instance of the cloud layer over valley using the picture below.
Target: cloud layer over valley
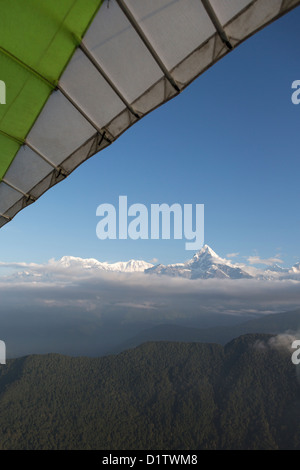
(73, 308)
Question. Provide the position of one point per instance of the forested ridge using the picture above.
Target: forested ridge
(163, 395)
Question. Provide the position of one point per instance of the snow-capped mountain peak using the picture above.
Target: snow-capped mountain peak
(206, 250)
(130, 266)
(207, 254)
(73, 261)
(296, 268)
(92, 263)
(205, 264)
(278, 269)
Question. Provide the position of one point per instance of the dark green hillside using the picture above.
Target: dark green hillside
(157, 396)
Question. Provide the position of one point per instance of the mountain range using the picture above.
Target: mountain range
(91, 263)
(284, 324)
(205, 264)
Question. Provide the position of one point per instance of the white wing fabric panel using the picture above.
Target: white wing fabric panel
(259, 14)
(27, 170)
(120, 52)
(60, 129)
(174, 27)
(227, 9)
(8, 197)
(82, 81)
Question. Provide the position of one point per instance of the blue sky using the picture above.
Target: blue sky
(229, 141)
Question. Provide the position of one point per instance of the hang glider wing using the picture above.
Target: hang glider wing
(75, 74)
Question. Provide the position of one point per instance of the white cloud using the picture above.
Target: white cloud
(145, 305)
(77, 306)
(18, 265)
(232, 255)
(284, 340)
(267, 261)
(88, 290)
(50, 308)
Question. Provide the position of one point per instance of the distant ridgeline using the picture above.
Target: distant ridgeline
(164, 395)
